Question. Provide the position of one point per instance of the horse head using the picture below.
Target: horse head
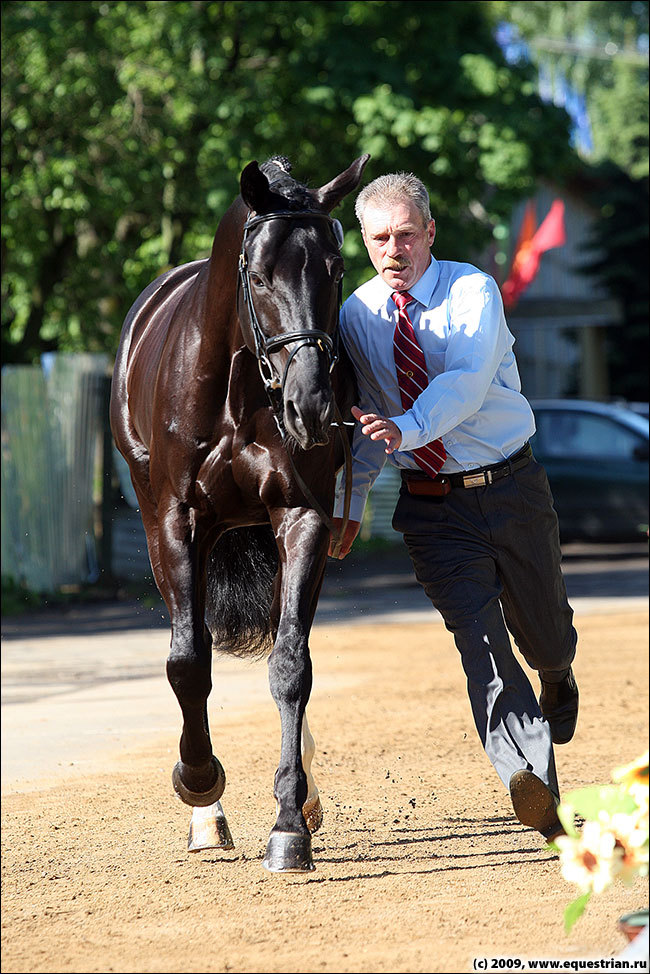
(290, 270)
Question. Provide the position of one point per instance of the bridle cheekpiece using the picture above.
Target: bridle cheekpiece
(274, 383)
(264, 346)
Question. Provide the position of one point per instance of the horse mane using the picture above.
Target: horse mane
(289, 193)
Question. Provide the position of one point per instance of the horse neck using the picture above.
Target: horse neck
(224, 332)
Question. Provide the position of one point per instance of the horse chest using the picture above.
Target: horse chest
(229, 481)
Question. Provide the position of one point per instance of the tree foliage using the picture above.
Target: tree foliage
(601, 48)
(126, 125)
(618, 255)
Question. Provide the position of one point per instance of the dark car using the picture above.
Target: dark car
(596, 458)
(642, 408)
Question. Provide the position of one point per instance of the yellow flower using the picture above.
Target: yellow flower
(591, 860)
(631, 835)
(635, 773)
(634, 778)
(613, 843)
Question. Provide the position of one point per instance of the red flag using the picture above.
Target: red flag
(526, 232)
(530, 247)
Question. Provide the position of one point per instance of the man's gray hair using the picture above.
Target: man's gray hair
(392, 188)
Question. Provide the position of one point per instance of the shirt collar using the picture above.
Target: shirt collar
(422, 290)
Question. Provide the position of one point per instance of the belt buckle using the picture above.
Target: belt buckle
(478, 479)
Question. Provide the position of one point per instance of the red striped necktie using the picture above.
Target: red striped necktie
(412, 380)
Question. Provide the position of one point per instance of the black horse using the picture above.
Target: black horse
(227, 390)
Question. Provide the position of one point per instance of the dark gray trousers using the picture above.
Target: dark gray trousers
(489, 560)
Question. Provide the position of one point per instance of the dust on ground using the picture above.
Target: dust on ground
(421, 865)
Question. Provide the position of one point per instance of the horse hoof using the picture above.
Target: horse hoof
(200, 798)
(288, 852)
(312, 813)
(209, 829)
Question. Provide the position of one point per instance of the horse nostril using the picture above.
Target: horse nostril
(293, 415)
(327, 414)
(311, 427)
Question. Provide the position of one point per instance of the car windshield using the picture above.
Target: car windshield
(634, 420)
(574, 433)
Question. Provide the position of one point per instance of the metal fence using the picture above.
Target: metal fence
(52, 420)
(54, 429)
(378, 515)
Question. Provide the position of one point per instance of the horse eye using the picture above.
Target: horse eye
(257, 281)
(335, 268)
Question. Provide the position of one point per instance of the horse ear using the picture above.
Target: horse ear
(332, 193)
(254, 187)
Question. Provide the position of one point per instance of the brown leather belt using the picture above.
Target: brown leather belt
(419, 484)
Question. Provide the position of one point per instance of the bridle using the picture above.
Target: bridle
(273, 382)
(264, 347)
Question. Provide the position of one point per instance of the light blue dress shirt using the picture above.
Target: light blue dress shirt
(473, 401)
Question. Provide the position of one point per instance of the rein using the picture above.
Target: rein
(274, 384)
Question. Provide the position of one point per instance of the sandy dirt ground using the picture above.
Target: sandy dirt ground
(421, 865)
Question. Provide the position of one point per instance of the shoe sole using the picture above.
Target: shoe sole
(534, 804)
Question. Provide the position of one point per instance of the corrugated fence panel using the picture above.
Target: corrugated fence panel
(28, 522)
(51, 418)
(378, 516)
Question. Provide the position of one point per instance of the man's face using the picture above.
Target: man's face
(398, 242)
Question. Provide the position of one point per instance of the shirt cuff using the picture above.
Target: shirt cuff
(357, 505)
(411, 432)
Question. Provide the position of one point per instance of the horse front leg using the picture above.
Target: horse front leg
(198, 778)
(302, 544)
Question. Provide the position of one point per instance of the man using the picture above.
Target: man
(439, 394)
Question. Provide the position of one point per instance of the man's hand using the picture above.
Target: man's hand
(379, 428)
(351, 532)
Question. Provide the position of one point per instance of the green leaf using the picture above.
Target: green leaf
(574, 911)
(589, 802)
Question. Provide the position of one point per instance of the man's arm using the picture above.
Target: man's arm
(377, 428)
(478, 340)
(351, 532)
(367, 457)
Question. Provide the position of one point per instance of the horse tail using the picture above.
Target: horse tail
(240, 581)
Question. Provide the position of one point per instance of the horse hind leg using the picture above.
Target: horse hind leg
(312, 809)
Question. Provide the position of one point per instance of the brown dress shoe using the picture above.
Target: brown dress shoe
(559, 704)
(535, 804)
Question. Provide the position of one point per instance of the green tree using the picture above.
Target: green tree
(125, 127)
(618, 255)
(601, 49)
